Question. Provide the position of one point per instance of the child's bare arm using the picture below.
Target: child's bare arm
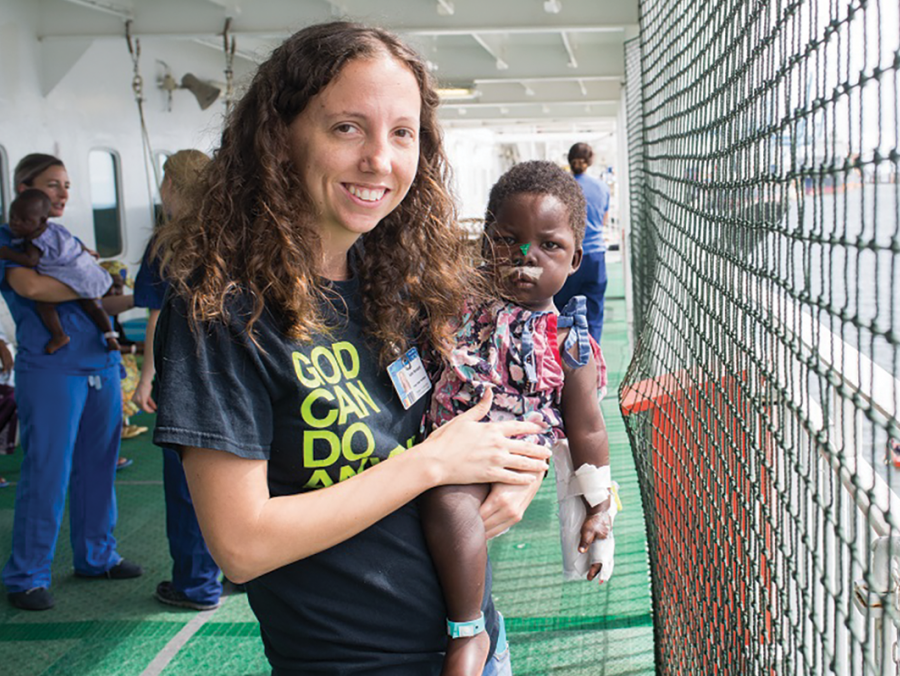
(588, 444)
(458, 546)
(34, 254)
(457, 542)
(585, 427)
(27, 258)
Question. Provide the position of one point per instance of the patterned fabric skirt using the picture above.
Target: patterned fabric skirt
(129, 385)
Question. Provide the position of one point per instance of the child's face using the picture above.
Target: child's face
(534, 249)
(118, 286)
(28, 221)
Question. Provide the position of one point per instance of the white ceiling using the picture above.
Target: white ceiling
(529, 65)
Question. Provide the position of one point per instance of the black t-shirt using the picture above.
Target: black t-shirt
(319, 413)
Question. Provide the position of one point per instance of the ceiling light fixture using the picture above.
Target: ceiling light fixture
(552, 6)
(457, 93)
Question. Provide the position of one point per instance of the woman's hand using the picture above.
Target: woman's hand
(505, 505)
(465, 451)
(142, 396)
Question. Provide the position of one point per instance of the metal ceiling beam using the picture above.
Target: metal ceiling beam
(445, 8)
(460, 65)
(493, 51)
(278, 18)
(533, 80)
(106, 7)
(510, 30)
(573, 62)
(526, 104)
(512, 91)
(190, 30)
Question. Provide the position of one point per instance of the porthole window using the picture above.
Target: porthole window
(160, 160)
(106, 202)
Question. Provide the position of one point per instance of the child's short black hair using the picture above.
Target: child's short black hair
(28, 197)
(540, 178)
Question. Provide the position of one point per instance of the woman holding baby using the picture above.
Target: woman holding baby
(70, 415)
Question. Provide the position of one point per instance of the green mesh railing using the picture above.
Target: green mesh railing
(763, 392)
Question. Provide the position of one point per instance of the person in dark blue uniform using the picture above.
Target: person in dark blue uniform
(590, 279)
(70, 412)
(195, 580)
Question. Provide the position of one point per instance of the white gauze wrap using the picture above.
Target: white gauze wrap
(594, 484)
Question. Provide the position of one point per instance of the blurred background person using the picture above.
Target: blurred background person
(195, 576)
(70, 415)
(590, 279)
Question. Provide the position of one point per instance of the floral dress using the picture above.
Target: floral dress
(516, 352)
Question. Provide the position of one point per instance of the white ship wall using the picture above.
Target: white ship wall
(70, 96)
(92, 107)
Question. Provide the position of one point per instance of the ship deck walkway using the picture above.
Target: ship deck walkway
(101, 628)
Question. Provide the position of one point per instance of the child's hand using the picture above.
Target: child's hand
(6, 358)
(595, 527)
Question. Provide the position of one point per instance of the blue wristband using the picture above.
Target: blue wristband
(466, 629)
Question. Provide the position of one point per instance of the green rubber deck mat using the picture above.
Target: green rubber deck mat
(116, 628)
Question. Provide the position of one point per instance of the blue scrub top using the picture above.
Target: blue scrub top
(149, 286)
(596, 194)
(86, 352)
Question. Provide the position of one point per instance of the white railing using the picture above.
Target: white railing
(850, 597)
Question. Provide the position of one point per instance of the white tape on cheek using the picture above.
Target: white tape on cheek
(593, 483)
(518, 272)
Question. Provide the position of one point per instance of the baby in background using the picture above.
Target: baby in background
(541, 366)
(54, 251)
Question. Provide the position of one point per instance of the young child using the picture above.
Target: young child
(53, 250)
(541, 367)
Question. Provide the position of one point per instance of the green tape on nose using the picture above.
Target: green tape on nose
(524, 249)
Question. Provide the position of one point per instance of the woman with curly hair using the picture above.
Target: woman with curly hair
(319, 260)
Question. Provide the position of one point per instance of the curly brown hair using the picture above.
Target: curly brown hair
(253, 228)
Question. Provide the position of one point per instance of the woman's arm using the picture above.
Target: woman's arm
(142, 393)
(34, 286)
(114, 305)
(250, 533)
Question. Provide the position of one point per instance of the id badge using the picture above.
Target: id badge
(409, 377)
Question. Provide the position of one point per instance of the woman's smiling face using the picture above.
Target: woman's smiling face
(356, 147)
(54, 182)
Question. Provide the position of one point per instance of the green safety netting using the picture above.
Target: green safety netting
(765, 277)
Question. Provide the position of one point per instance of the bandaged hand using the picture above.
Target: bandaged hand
(595, 529)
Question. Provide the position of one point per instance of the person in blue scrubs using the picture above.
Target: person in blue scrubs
(590, 279)
(195, 576)
(69, 406)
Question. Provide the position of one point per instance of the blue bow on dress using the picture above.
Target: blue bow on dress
(573, 316)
